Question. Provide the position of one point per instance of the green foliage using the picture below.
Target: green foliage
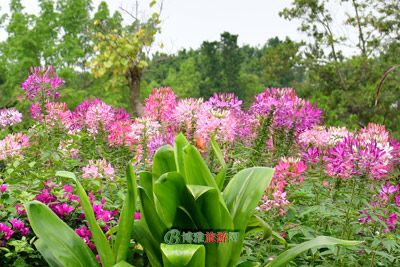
(185, 195)
(321, 241)
(59, 244)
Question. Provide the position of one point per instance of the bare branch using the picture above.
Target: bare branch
(382, 81)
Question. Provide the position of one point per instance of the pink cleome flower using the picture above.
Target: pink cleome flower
(42, 84)
(98, 169)
(9, 117)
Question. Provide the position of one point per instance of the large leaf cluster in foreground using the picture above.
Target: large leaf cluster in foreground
(179, 193)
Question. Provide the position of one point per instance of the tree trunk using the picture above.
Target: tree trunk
(133, 76)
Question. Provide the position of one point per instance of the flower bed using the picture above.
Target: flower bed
(328, 180)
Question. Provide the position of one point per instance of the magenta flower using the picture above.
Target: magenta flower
(390, 222)
(101, 213)
(289, 111)
(62, 209)
(354, 156)
(36, 111)
(288, 171)
(119, 133)
(3, 188)
(46, 196)
(397, 200)
(6, 231)
(42, 83)
(226, 101)
(160, 105)
(312, 155)
(20, 226)
(20, 209)
(137, 215)
(85, 234)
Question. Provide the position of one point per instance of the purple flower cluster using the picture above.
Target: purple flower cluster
(369, 152)
(288, 110)
(361, 154)
(103, 216)
(13, 145)
(186, 116)
(160, 105)
(13, 227)
(62, 206)
(86, 236)
(383, 208)
(289, 171)
(9, 117)
(42, 84)
(61, 199)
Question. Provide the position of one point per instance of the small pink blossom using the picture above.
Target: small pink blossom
(137, 215)
(9, 117)
(6, 231)
(20, 226)
(98, 169)
(3, 188)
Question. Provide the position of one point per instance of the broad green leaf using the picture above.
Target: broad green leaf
(149, 214)
(100, 240)
(151, 246)
(181, 255)
(47, 254)
(257, 224)
(146, 182)
(180, 143)
(123, 264)
(244, 191)
(125, 227)
(248, 264)
(320, 241)
(58, 242)
(66, 174)
(168, 195)
(196, 170)
(210, 213)
(220, 177)
(207, 204)
(242, 195)
(163, 161)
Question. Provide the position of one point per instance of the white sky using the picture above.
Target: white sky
(187, 23)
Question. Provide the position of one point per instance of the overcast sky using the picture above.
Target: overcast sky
(187, 23)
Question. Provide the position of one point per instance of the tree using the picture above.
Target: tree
(231, 60)
(280, 63)
(123, 53)
(333, 80)
(20, 50)
(185, 81)
(210, 68)
(74, 21)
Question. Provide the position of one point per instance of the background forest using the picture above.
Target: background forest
(98, 54)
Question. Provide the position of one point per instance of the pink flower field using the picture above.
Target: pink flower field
(327, 181)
